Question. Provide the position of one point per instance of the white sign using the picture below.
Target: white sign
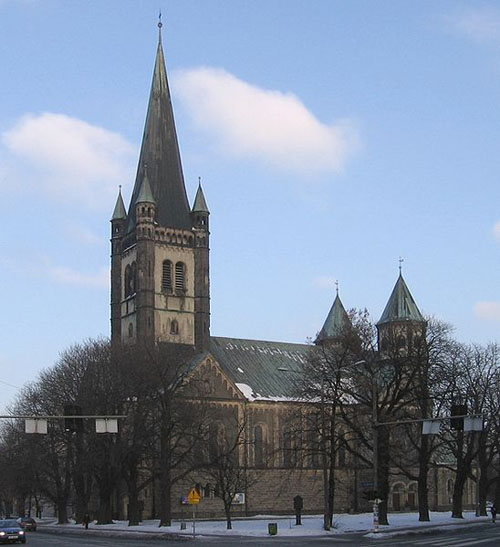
(239, 498)
(106, 425)
(473, 423)
(35, 426)
(431, 427)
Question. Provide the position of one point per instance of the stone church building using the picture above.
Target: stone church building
(160, 292)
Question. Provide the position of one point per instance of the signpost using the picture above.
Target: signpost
(194, 499)
(376, 501)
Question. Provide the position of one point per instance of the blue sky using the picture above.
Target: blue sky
(331, 138)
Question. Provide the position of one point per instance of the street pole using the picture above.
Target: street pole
(326, 520)
(375, 453)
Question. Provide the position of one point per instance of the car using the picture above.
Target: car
(27, 523)
(11, 532)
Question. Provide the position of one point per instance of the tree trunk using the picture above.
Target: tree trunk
(423, 472)
(134, 516)
(165, 494)
(383, 474)
(227, 511)
(62, 511)
(104, 513)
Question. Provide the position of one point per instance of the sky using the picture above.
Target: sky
(331, 138)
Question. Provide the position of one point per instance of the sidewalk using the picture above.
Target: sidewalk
(400, 524)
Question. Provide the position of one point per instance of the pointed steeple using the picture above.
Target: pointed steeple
(200, 204)
(145, 193)
(401, 306)
(160, 152)
(335, 324)
(119, 212)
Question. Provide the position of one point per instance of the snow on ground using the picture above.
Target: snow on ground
(311, 525)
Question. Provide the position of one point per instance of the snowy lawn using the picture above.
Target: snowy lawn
(311, 525)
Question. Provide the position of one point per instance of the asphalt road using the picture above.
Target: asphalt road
(479, 535)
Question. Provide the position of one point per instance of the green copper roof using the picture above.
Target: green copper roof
(200, 204)
(119, 212)
(161, 157)
(145, 193)
(335, 323)
(262, 370)
(401, 306)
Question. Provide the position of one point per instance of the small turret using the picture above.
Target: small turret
(119, 218)
(200, 212)
(118, 229)
(145, 209)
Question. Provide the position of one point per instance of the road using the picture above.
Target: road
(479, 535)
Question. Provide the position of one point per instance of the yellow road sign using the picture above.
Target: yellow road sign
(194, 497)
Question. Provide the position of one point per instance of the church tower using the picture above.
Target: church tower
(401, 325)
(160, 289)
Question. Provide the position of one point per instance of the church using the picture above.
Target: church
(160, 293)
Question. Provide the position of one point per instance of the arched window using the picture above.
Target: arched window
(174, 327)
(289, 449)
(216, 441)
(259, 446)
(126, 281)
(133, 278)
(166, 277)
(341, 451)
(180, 277)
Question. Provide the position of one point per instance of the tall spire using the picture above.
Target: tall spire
(401, 306)
(160, 152)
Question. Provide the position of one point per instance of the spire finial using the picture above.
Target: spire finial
(160, 24)
(401, 260)
(337, 286)
(119, 188)
(199, 181)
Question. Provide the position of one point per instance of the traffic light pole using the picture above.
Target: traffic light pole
(375, 455)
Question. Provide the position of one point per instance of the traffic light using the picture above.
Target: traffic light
(73, 425)
(458, 410)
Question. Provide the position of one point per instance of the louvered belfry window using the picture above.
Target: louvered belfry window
(166, 278)
(180, 277)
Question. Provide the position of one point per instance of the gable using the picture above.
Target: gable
(211, 380)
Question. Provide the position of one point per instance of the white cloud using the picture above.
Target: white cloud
(72, 158)
(482, 25)
(263, 124)
(325, 282)
(487, 310)
(42, 267)
(68, 276)
(83, 234)
(496, 230)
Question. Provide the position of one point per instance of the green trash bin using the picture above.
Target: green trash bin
(272, 528)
